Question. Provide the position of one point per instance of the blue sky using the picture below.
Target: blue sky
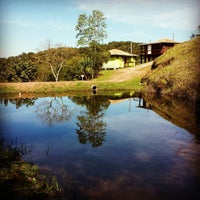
(26, 24)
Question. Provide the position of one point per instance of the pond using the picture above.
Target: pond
(107, 148)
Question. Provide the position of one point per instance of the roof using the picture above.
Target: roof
(163, 40)
(117, 52)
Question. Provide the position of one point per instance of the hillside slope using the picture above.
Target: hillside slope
(177, 72)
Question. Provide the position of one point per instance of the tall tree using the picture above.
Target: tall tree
(91, 32)
(90, 125)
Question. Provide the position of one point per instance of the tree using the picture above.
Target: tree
(56, 57)
(91, 32)
(196, 35)
(90, 125)
(18, 69)
(91, 129)
(53, 111)
(57, 63)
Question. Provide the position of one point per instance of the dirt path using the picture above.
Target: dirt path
(129, 73)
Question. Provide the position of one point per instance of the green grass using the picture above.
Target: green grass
(132, 85)
(106, 75)
(7, 90)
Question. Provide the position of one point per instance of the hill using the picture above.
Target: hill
(176, 73)
(58, 63)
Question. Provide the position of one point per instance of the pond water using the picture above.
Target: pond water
(110, 149)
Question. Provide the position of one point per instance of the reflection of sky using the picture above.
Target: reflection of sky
(140, 147)
(22, 114)
(126, 125)
(138, 121)
(23, 122)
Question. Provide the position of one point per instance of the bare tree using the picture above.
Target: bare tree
(56, 58)
(53, 111)
(47, 44)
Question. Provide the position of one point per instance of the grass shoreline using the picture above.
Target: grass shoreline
(69, 86)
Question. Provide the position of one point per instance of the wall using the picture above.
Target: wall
(114, 62)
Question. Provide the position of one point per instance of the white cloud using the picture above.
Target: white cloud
(182, 19)
(14, 22)
(181, 14)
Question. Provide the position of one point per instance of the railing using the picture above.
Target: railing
(154, 51)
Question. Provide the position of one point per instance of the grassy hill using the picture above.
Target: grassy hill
(177, 72)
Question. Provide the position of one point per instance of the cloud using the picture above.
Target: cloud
(51, 24)
(16, 23)
(180, 14)
(182, 19)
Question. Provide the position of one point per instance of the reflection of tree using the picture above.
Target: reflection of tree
(180, 112)
(53, 111)
(91, 127)
(18, 102)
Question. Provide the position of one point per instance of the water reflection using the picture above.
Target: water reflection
(140, 155)
(180, 112)
(91, 127)
(18, 102)
(53, 110)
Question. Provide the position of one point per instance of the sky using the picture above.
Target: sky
(25, 25)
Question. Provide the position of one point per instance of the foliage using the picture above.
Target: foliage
(41, 66)
(95, 56)
(91, 32)
(91, 28)
(21, 180)
(124, 46)
(75, 62)
(20, 69)
(54, 60)
(196, 35)
(91, 127)
(73, 69)
(18, 102)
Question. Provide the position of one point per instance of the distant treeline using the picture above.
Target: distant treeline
(60, 64)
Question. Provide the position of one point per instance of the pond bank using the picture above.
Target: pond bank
(78, 87)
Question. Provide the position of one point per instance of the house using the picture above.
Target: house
(120, 59)
(152, 50)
